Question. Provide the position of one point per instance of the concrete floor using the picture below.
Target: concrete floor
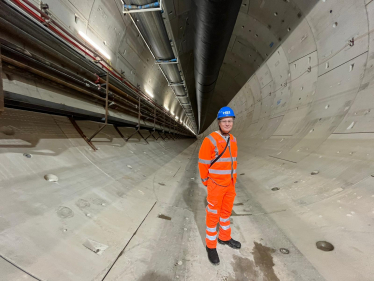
(145, 207)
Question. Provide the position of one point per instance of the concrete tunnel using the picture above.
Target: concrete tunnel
(103, 110)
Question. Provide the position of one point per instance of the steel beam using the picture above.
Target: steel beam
(79, 130)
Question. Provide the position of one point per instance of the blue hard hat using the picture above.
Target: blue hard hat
(225, 112)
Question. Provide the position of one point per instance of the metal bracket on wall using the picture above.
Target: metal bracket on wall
(172, 61)
(138, 126)
(154, 126)
(152, 7)
(176, 84)
(150, 134)
(79, 130)
(160, 136)
(171, 136)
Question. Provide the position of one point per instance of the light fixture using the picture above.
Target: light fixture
(166, 108)
(149, 93)
(93, 44)
(172, 113)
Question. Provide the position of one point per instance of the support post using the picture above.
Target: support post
(81, 133)
(138, 129)
(163, 131)
(106, 108)
(119, 132)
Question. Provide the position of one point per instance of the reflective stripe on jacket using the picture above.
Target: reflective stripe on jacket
(224, 170)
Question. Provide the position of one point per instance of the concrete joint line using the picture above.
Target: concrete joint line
(12, 263)
(128, 242)
(341, 64)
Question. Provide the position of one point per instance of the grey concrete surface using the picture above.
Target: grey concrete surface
(132, 211)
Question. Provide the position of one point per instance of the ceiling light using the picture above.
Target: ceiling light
(93, 44)
(166, 108)
(149, 93)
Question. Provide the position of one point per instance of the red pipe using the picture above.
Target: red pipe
(114, 73)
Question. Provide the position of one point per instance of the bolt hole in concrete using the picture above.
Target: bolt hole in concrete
(275, 188)
(284, 251)
(161, 216)
(238, 204)
(314, 173)
(51, 178)
(27, 155)
(324, 246)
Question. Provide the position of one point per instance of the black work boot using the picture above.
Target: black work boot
(232, 243)
(213, 256)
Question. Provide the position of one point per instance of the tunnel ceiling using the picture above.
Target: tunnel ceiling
(261, 26)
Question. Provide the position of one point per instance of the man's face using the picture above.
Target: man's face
(226, 124)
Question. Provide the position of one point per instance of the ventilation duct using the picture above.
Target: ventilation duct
(152, 28)
(214, 24)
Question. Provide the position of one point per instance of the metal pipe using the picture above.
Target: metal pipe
(215, 21)
(166, 52)
(113, 71)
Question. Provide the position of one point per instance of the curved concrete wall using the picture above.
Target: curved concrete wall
(139, 207)
(310, 108)
(51, 230)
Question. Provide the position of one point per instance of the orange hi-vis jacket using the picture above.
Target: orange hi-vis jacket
(223, 171)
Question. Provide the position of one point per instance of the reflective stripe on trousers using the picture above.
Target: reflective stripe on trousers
(224, 227)
(210, 210)
(211, 237)
(221, 172)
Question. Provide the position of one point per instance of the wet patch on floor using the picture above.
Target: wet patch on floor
(154, 276)
(244, 269)
(261, 268)
(161, 216)
(264, 261)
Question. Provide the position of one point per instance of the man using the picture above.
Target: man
(217, 165)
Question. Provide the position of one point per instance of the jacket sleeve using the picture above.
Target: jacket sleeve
(205, 155)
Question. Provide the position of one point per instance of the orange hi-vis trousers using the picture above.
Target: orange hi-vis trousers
(220, 202)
